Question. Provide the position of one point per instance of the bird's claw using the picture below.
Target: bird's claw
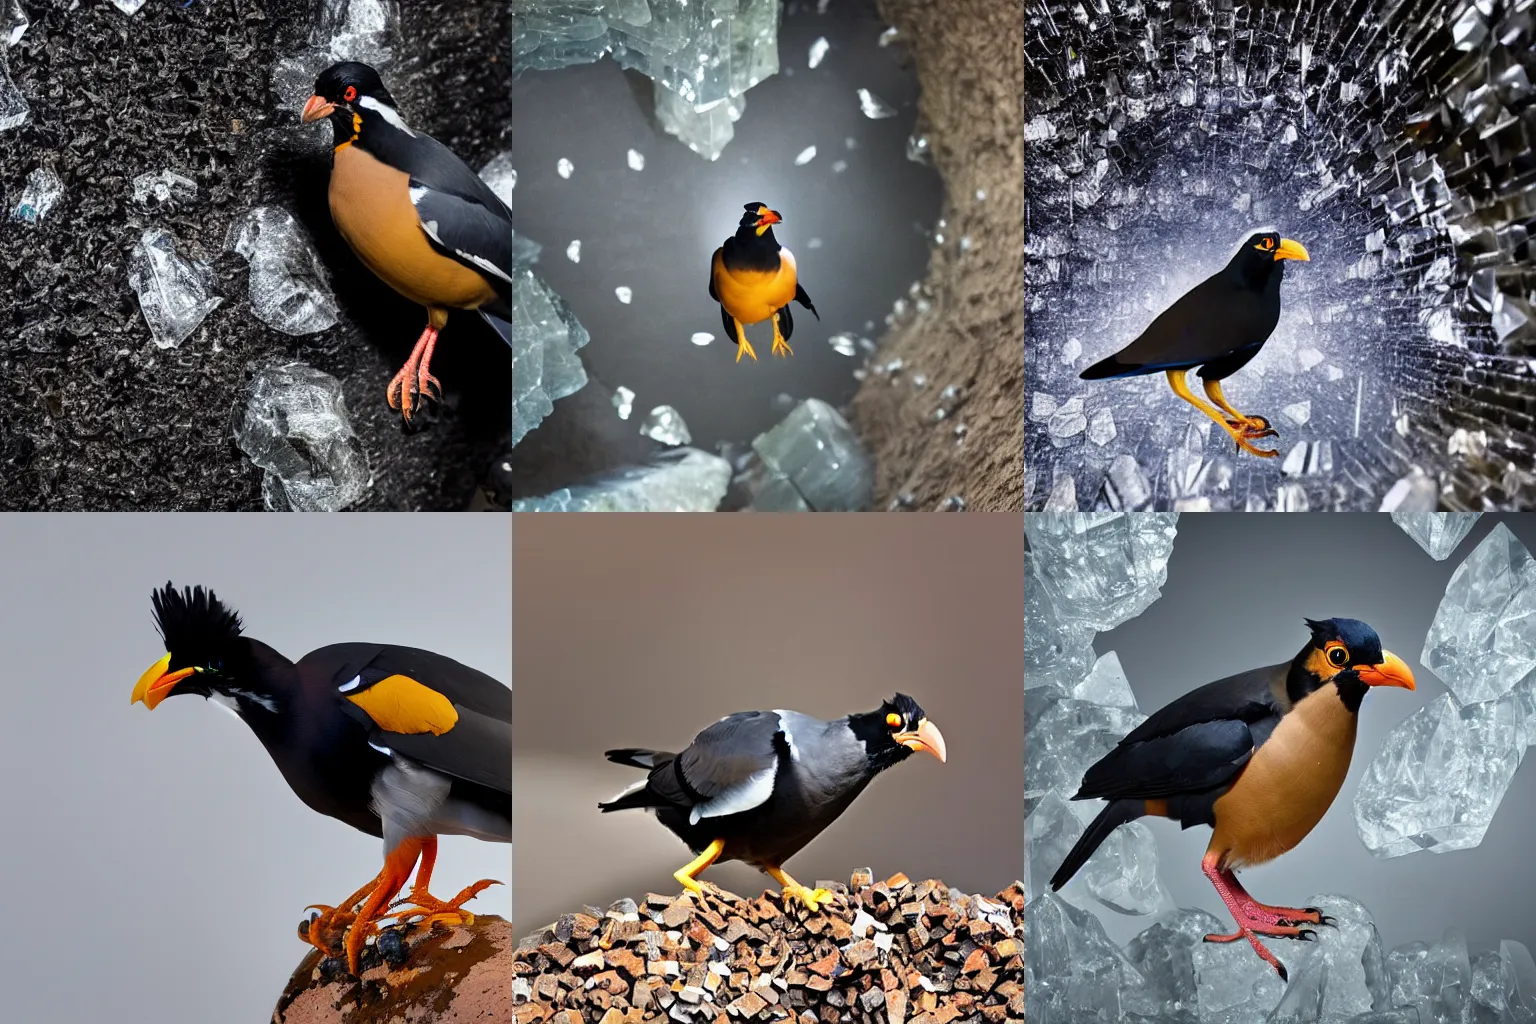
(1323, 918)
(1307, 935)
(781, 348)
(813, 899)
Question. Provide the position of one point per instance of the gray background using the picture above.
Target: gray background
(643, 630)
(1238, 588)
(156, 864)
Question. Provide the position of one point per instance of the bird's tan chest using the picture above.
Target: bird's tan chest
(1289, 783)
(371, 206)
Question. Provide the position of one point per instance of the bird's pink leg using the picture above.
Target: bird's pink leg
(413, 378)
(1247, 926)
(1271, 914)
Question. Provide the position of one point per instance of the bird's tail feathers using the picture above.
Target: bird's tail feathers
(1108, 368)
(1114, 814)
(638, 757)
(502, 327)
(635, 797)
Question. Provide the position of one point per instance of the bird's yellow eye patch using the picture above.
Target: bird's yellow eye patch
(401, 704)
(893, 720)
(1338, 654)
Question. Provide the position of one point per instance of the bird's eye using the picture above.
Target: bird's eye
(351, 94)
(1337, 654)
(893, 720)
(1269, 243)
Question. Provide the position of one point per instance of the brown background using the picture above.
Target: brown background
(641, 630)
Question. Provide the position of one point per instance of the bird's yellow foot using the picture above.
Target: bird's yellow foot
(432, 910)
(1253, 427)
(744, 347)
(781, 347)
(1241, 439)
(813, 899)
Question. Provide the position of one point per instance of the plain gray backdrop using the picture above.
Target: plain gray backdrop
(156, 865)
(1238, 588)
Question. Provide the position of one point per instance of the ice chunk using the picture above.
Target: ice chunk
(680, 480)
(624, 294)
(1436, 980)
(702, 338)
(1126, 487)
(665, 424)
(294, 425)
(13, 21)
(1064, 736)
(1069, 420)
(1298, 413)
(174, 294)
(365, 30)
(1122, 873)
(1412, 495)
(1439, 776)
(13, 105)
(525, 251)
(1437, 532)
(1072, 971)
(844, 344)
(163, 187)
(564, 167)
(1103, 568)
(1519, 976)
(705, 131)
(1101, 427)
(1482, 642)
(43, 189)
(636, 160)
(805, 156)
(818, 51)
(573, 251)
(873, 106)
(1106, 684)
(623, 401)
(289, 288)
(545, 338)
(128, 6)
(1050, 829)
(1063, 496)
(1230, 980)
(500, 175)
(815, 451)
(1055, 654)
(1164, 954)
(1342, 973)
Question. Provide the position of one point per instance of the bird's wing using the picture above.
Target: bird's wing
(714, 268)
(423, 706)
(728, 768)
(465, 228)
(1207, 322)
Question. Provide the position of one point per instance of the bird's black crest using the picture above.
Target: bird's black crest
(334, 80)
(193, 619)
(909, 709)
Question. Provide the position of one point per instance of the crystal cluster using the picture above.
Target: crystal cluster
(1441, 774)
(811, 461)
(680, 480)
(545, 337)
(702, 55)
(1158, 136)
(1087, 573)
(289, 288)
(1437, 532)
(294, 425)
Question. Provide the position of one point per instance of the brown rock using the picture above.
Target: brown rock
(452, 976)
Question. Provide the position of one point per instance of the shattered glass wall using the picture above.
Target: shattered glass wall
(1393, 140)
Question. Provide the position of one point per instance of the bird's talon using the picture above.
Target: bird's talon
(1307, 935)
(1322, 918)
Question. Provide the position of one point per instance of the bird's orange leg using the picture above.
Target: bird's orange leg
(1251, 426)
(413, 380)
(742, 344)
(421, 901)
(780, 346)
(1181, 388)
(1247, 926)
(397, 870)
(326, 930)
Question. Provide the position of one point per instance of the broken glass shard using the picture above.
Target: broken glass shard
(43, 189)
(665, 424)
(1104, 568)
(1439, 777)
(636, 160)
(623, 401)
(678, 480)
(873, 106)
(294, 426)
(815, 452)
(1412, 495)
(818, 51)
(175, 294)
(1438, 533)
(13, 105)
(289, 289)
(13, 21)
(1482, 642)
(163, 187)
(805, 156)
(545, 364)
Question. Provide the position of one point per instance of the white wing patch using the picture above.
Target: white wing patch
(351, 685)
(484, 264)
(751, 792)
(387, 112)
(417, 191)
(794, 751)
(383, 750)
(430, 227)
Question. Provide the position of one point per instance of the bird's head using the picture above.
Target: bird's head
(347, 89)
(1348, 653)
(759, 218)
(894, 730)
(204, 651)
(1268, 247)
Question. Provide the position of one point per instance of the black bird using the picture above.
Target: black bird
(415, 215)
(1218, 325)
(754, 279)
(758, 785)
(1257, 756)
(399, 743)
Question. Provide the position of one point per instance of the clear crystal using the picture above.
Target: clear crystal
(1101, 569)
(1438, 533)
(1063, 737)
(163, 187)
(706, 131)
(13, 105)
(805, 156)
(818, 51)
(175, 294)
(1055, 654)
(289, 288)
(501, 176)
(1298, 412)
(1482, 642)
(365, 30)
(1410, 497)
(873, 106)
(294, 425)
(636, 160)
(43, 189)
(815, 453)
(680, 480)
(545, 338)
(1105, 684)
(665, 424)
(623, 401)
(573, 251)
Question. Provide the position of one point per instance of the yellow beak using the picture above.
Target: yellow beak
(1291, 250)
(926, 738)
(157, 682)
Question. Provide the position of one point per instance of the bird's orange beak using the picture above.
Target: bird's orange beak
(1291, 249)
(1392, 671)
(925, 737)
(157, 682)
(769, 219)
(316, 107)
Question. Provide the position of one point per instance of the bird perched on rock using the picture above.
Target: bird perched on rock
(399, 743)
(758, 785)
(1257, 756)
(1218, 325)
(753, 278)
(415, 215)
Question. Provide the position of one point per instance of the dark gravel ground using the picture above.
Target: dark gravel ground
(98, 418)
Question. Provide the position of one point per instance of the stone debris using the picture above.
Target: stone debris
(891, 952)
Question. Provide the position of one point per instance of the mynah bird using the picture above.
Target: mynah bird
(753, 278)
(1218, 325)
(1257, 756)
(415, 215)
(758, 785)
(399, 743)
